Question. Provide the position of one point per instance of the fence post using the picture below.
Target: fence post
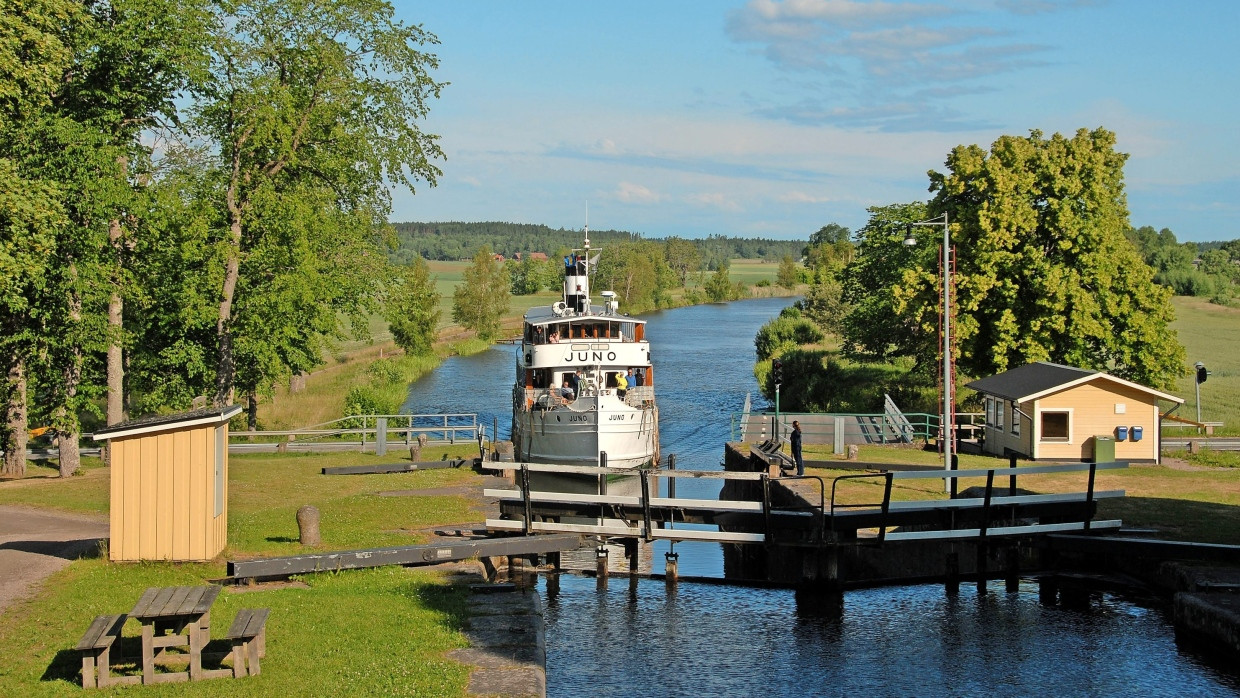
(839, 436)
(380, 436)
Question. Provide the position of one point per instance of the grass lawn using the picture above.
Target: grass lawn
(365, 632)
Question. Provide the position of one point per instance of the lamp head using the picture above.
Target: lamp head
(909, 240)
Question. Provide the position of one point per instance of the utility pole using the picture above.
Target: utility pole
(1202, 374)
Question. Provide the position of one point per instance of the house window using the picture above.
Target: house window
(999, 414)
(1056, 426)
(990, 411)
(1015, 421)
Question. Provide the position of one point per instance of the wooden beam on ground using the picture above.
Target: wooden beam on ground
(397, 467)
(403, 555)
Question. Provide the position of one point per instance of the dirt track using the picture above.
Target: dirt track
(35, 543)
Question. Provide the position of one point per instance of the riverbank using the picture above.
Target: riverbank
(322, 395)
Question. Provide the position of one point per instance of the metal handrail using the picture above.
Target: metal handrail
(885, 506)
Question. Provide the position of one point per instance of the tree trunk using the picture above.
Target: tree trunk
(67, 429)
(66, 421)
(226, 372)
(115, 364)
(251, 412)
(15, 421)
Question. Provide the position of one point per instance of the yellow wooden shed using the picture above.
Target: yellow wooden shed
(169, 495)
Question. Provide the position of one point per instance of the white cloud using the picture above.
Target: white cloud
(800, 197)
(631, 193)
(717, 200)
(882, 56)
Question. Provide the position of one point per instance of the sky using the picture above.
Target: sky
(769, 118)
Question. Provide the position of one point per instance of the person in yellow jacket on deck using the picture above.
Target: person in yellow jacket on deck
(622, 385)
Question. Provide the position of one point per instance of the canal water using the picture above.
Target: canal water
(641, 638)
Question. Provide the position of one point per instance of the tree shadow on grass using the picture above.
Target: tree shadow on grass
(1176, 519)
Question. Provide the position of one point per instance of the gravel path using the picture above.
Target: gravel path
(34, 543)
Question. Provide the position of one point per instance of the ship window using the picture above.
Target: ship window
(542, 378)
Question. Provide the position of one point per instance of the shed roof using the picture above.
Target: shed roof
(166, 422)
(1032, 381)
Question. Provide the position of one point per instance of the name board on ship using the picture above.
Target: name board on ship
(589, 356)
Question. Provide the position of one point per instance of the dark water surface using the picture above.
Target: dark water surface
(643, 639)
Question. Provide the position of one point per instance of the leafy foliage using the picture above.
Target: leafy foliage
(683, 257)
(412, 310)
(873, 329)
(1044, 270)
(785, 332)
(719, 288)
(639, 274)
(455, 240)
(787, 275)
(314, 107)
(1209, 270)
(483, 296)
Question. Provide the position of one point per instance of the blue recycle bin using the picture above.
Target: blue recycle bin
(1121, 433)
(1136, 433)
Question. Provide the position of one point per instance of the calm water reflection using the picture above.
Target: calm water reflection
(705, 640)
(643, 639)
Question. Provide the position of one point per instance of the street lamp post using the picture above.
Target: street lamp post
(947, 338)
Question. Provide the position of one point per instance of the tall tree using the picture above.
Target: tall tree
(1044, 271)
(787, 275)
(35, 54)
(637, 272)
(873, 327)
(133, 58)
(719, 287)
(412, 309)
(682, 257)
(482, 297)
(314, 106)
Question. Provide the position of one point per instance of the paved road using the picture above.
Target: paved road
(35, 543)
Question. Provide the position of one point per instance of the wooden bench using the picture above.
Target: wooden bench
(248, 635)
(96, 649)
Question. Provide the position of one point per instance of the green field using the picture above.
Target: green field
(1210, 334)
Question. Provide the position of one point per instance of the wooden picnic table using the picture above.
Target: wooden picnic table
(174, 617)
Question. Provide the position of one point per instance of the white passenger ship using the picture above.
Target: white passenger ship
(568, 404)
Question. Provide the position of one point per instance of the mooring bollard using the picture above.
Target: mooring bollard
(952, 584)
(1012, 569)
(415, 451)
(308, 525)
(600, 561)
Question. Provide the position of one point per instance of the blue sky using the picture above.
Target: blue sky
(766, 118)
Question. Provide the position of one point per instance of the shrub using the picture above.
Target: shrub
(785, 332)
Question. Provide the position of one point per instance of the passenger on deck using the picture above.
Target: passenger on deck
(554, 338)
(566, 392)
(622, 384)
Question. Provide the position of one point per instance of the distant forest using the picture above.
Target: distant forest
(454, 240)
